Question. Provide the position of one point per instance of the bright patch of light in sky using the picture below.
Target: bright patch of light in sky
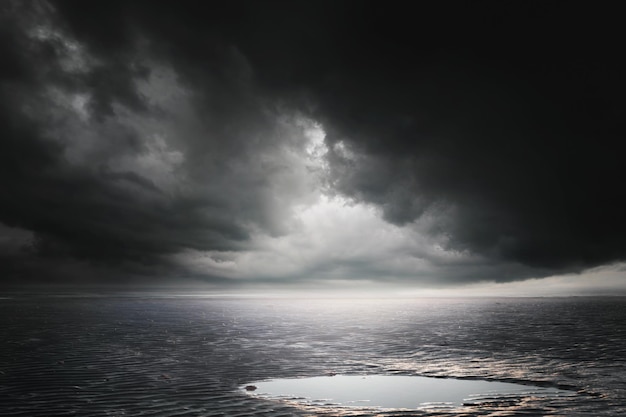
(330, 239)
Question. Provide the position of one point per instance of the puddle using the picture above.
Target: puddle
(395, 391)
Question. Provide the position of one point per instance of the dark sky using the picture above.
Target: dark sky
(283, 142)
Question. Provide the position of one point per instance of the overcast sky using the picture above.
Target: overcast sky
(313, 144)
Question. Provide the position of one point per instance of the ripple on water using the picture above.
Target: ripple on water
(147, 356)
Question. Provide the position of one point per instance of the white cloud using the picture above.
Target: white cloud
(331, 239)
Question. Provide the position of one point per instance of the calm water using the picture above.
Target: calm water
(393, 392)
(127, 356)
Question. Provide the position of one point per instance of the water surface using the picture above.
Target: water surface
(397, 391)
(142, 355)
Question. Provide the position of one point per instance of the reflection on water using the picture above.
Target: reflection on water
(135, 356)
(396, 391)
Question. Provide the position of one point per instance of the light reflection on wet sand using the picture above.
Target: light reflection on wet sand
(131, 356)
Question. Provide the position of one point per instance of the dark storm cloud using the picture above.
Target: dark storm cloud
(504, 117)
(509, 115)
(83, 163)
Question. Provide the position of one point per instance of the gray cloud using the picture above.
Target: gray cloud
(150, 137)
(119, 166)
(506, 116)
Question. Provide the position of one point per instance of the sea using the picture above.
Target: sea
(162, 355)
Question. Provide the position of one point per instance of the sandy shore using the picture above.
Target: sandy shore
(190, 357)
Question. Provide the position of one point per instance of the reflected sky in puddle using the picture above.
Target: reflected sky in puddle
(395, 391)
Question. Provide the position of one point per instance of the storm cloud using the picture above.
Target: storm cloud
(291, 141)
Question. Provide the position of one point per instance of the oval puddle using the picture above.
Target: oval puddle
(395, 391)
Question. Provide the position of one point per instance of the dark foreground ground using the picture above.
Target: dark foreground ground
(189, 356)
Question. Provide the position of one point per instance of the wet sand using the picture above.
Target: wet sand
(132, 356)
